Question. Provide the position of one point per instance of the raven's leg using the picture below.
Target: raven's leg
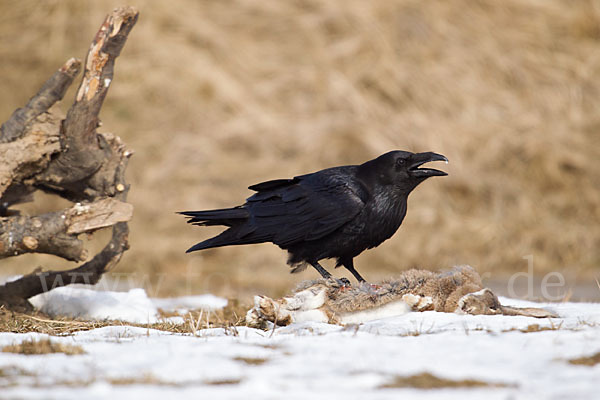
(321, 270)
(343, 282)
(349, 265)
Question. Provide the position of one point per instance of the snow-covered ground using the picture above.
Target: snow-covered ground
(308, 360)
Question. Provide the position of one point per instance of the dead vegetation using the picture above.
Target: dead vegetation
(11, 371)
(16, 322)
(589, 361)
(244, 91)
(9, 376)
(150, 379)
(44, 346)
(219, 382)
(146, 379)
(425, 380)
(228, 318)
(538, 328)
(251, 360)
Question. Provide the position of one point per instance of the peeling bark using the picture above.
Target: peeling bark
(81, 171)
(56, 232)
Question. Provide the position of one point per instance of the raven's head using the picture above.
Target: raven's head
(401, 168)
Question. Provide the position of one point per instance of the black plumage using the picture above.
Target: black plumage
(333, 213)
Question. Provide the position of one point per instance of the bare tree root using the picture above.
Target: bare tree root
(41, 150)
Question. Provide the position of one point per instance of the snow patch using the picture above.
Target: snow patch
(186, 303)
(132, 306)
(77, 302)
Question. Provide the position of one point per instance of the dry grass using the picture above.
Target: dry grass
(216, 95)
(150, 379)
(537, 328)
(251, 360)
(425, 380)
(227, 318)
(45, 346)
(220, 382)
(146, 379)
(23, 323)
(11, 371)
(588, 361)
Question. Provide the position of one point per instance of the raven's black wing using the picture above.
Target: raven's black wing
(308, 207)
(269, 185)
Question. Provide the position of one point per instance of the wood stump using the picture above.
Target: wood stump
(67, 157)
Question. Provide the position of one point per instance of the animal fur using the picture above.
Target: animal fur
(325, 300)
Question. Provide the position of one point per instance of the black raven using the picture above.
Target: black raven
(334, 213)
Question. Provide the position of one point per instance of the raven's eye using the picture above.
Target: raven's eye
(400, 162)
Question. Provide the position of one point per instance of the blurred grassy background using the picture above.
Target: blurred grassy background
(216, 95)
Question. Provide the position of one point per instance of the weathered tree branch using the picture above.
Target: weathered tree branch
(31, 136)
(52, 91)
(80, 172)
(30, 154)
(21, 234)
(69, 158)
(15, 294)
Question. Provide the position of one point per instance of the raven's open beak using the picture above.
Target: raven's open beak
(418, 159)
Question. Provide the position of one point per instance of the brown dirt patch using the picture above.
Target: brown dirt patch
(426, 380)
(590, 361)
(251, 360)
(44, 346)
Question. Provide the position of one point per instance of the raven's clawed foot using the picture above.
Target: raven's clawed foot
(341, 283)
(344, 283)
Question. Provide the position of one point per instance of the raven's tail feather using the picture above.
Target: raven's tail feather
(235, 218)
(240, 234)
(224, 216)
(223, 239)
